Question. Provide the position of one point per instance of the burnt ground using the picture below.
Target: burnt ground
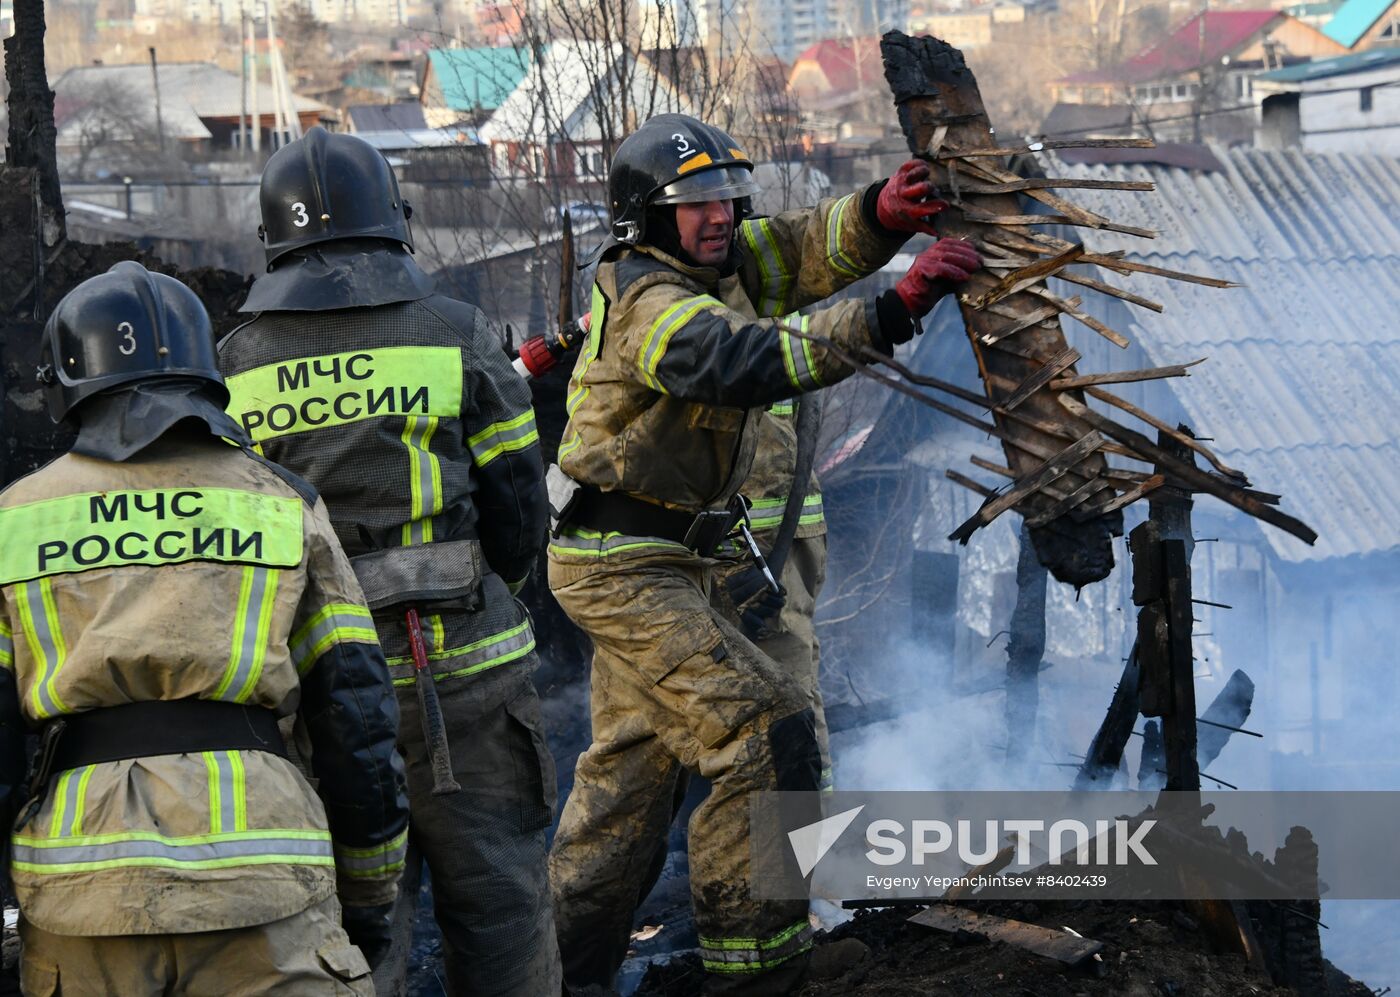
(1151, 949)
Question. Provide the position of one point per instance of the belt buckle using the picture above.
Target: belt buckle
(708, 529)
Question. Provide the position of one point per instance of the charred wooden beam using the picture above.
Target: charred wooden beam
(937, 96)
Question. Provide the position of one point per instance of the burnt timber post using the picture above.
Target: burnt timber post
(1024, 650)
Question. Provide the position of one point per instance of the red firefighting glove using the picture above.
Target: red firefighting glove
(946, 262)
(909, 201)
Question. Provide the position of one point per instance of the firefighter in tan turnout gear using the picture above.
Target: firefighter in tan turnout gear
(665, 403)
(401, 407)
(165, 597)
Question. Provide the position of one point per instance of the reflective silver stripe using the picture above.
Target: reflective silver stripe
(360, 863)
(720, 955)
(798, 352)
(68, 807)
(248, 646)
(171, 851)
(835, 254)
(503, 438)
(776, 279)
(661, 331)
(49, 647)
(421, 429)
(812, 509)
(304, 649)
(223, 810)
(594, 544)
(498, 649)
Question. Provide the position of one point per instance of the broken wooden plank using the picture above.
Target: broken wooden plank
(1027, 184)
(1057, 364)
(970, 484)
(1124, 376)
(1116, 338)
(1035, 317)
(1136, 492)
(1062, 946)
(1191, 475)
(1161, 426)
(1045, 145)
(1071, 501)
(1023, 277)
(1111, 291)
(1106, 749)
(1083, 216)
(1012, 221)
(1029, 484)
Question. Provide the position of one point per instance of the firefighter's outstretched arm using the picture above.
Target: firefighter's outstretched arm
(799, 257)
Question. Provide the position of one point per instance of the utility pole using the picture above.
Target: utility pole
(243, 93)
(256, 121)
(155, 84)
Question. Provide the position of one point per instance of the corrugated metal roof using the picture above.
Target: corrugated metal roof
(1321, 69)
(1302, 388)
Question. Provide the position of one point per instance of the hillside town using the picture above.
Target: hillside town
(1169, 327)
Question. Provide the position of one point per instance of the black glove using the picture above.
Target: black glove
(370, 929)
(758, 605)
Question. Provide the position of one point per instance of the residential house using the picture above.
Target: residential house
(1361, 24)
(839, 86)
(110, 113)
(1198, 81)
(452, 155)
(394, 75)
(469, 84)
(1350, 103)
(573, 106)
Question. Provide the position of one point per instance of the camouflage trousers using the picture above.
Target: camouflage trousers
(674, 687)
(794, 645)
(307, 953)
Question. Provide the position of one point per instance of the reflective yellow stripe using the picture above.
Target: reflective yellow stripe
(60, 803)
(439, 633)
(257, 593)
(580, 542)
(797, 354)
(424, 480)
(767, 513)
(500, 438)
(7, 646)
(45, 639)
(93, 853)
(783, 408)
(836, 256)
(659, 336)
(216, 803)
(776, 279)
(81, 799)
(752, 955)
(240, 790)
(478, 656)
(337, 622)
(375, 861)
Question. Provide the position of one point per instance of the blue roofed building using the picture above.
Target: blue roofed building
(1360, 24)
(1350, 103)
(468, 84)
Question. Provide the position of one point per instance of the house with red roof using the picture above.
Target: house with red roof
(1196, 82)
(836, 68)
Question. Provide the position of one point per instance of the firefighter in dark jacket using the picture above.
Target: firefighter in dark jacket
(165, 598)
(665, 405)
(399, 404)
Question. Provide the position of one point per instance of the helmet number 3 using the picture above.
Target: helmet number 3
(128, 344)
(302, 219)
(683, 147)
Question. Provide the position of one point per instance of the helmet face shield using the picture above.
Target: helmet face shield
(720, 184)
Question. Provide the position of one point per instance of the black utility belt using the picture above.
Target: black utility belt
(617, 512)
(162, 727)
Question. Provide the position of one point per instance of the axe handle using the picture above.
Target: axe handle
(430, 710)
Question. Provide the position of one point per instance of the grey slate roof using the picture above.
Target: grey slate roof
(189, 91)
(1302, 388)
